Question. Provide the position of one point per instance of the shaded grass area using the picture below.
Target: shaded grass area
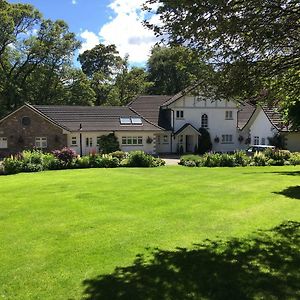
(265, 266)
(59, 229)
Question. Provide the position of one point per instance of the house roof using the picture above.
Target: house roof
(94, 118)
(150, 108)
(275, 118)
(244, 114)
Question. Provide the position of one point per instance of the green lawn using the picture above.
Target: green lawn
(61, 232)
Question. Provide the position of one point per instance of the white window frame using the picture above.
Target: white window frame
(88, 142)
(41, 142)
(256, 140)
(204, 121)
(227, 139)
(132, 140)
(228, 115)
(3, 142)
(179, 114)
(74, 141)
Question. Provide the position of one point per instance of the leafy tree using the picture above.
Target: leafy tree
(31, 47)
(204, 141)
(254, 45)
(108, 143)
(103, 59)
(171, 69)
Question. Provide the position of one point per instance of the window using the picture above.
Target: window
(136, 121)
(125, 121)
(263, 141)
(228, 115)
(131, 121)
(256, 140)
(3, 142)
(180, 139)
(226, 138)
(26, 121)
(132, 140)
(158, 139)
(74, 141)
(89, 142)
(41, 142)
(166, 139)
(204, 121)
(179, 114)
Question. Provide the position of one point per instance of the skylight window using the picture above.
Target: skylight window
(125, 121)
(136, 121)
(131, 121)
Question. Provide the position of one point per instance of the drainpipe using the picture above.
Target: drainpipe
(172, 133)
(80, 138)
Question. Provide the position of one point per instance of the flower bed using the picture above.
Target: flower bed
(35, 161)
(266, 158)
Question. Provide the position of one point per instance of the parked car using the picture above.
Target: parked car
(258, 148)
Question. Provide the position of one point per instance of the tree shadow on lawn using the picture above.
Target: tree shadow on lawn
(265, 266)
(291, 192)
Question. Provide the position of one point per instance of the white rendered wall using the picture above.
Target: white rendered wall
(217, 124)
(261, 127)
(148, 148)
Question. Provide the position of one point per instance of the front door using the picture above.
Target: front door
(189, 143)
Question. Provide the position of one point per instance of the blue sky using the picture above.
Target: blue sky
(107, 21)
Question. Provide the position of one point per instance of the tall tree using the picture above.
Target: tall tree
(29, 47)
(171, 69)
(254, 44)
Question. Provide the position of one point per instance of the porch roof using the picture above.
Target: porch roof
(185, 127)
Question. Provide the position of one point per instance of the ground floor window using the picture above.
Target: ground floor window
(263, 141)
(3, 142)
(89, 142)
(41, 142)
(227, 139)
(132, 140)
(256, 140)
(158, 139)
(74, 141)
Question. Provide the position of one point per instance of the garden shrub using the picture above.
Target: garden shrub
(81, 162)
(204, 141)
(295, 158)
(241, 159)
(12, 165)
(226, 160)
(140, 159)
(189, 157)
(108, 143)
(120, 155)
(32, 167)
(65, 155)
(259, 159)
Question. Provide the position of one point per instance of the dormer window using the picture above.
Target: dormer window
(179, 114)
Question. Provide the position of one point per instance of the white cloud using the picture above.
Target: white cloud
(91, 40)
(126, 31)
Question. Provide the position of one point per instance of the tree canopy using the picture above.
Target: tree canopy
(254, 45)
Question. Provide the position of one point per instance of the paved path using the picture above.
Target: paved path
(171, 161)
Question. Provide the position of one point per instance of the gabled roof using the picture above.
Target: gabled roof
(244, 114)
(182, 93)
(94, 118)
(185, 126)
(275, 117)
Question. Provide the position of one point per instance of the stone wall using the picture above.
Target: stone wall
(21, 137)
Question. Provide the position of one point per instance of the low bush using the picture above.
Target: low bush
(140, 159)
(295, 158)
(65, 155)
(120, 155)
(12, 165)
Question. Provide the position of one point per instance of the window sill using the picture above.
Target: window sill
(132, 145)
(227, 143)
(229, 119)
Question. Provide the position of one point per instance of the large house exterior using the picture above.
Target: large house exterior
(154, 124)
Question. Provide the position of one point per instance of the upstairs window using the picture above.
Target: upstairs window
(41, 142)
(26, 121)
(3, 143)
(204, 121)
(228, 115)
(179, 114)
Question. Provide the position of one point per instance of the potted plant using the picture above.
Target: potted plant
(217, 139)
(149, 140)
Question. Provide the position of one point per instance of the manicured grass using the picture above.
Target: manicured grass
(60, 228)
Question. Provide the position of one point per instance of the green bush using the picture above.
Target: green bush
(295, 158)
(140, 159)
(241, 159)
(108, 143)
(12, 165)
(120, 155)
(82, 162)
(188, 158)
(259, 159)
(158, 162)
(204, 141)
(31, 167)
